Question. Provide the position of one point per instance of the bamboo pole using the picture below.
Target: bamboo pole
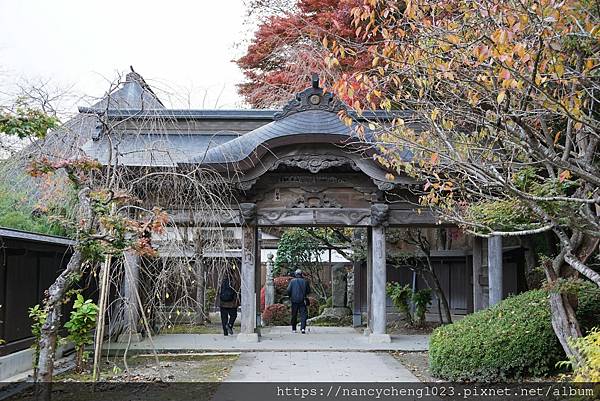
(104, 283)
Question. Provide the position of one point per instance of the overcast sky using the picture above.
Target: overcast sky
(180, 47)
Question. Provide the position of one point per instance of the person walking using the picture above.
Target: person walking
(229, 299)
(298, 290)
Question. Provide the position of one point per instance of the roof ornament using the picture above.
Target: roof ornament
(313, 98)
(315, 80)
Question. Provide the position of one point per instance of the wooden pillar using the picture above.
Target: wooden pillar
(131, 280)
(369, 279)
(357, 298)
(201, 312)
(478, 295)
(379, 214)
(257, 281)
(495, 269)
(248, 273)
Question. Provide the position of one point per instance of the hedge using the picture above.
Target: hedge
(510, 340)
(276, 315)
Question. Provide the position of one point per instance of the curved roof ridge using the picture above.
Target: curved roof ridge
(296, 127)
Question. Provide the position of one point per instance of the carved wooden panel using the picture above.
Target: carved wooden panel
(299, 198)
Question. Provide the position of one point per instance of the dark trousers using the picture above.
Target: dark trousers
(301, 307)
(228, 316)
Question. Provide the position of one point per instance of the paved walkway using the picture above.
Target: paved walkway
(319, 367)
(277, 339)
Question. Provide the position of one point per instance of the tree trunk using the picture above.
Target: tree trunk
(442, 297)
(49, 332)
(53, 305)
(433, 283)
(79, 359)
(437, 288)
(564, 321)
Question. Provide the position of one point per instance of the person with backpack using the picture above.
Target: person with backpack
(229, 299)
(298, 290)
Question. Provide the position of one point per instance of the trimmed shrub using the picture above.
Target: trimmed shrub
(281, 285)
(276, 315)
(313, 307)
(281, 297)
(588, 306)
(510, 340)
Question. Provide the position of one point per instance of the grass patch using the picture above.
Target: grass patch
(172, 368)
(192, 329)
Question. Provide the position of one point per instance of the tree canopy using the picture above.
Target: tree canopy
(289, 45)
(505, 97)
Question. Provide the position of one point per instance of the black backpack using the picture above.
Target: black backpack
(227, 293)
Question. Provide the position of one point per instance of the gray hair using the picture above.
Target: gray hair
(298, 271)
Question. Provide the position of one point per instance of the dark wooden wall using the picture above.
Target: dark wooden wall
(456, 278)
(27, 269)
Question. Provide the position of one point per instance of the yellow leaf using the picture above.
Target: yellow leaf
(389, 176)
(453, 39)
(434, 114)
(565, 175)
(589, 64)
(447, 124)
(375, 61)
(501, 97)
(557, 137)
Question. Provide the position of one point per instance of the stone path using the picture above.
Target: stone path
(278, 339)
(319, 367)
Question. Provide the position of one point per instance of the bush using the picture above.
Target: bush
(39, 316)
(276, 315)
(421, 300)
(281, 285)
(510, 340)
(313, 307)
(80, 326)
(210, 295)
(588, 308)
(400, 296)
(589, 346)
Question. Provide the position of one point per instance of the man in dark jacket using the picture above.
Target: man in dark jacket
(298, 290)
(229, 298)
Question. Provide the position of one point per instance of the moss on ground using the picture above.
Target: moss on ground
(173, 368)
(192, 329)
